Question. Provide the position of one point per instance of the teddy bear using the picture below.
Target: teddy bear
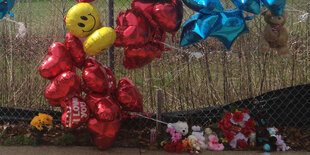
(275, 34)
(198, 134)
(208, 132)
(180, 127)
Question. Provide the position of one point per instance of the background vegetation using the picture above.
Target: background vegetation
(218, 77)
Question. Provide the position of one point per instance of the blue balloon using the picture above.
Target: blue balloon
(230, 25)
(275, 6)
(252, 6)
(266, 147)
(225, 26)
(5, 7)
(197, 28)
(204, 6)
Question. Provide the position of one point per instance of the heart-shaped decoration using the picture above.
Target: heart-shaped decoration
(132, 29)
(145, 8)
(58, 60)
(129, 96)
(104, 132)
(65, 85)
(140, 56)
(75, 113)
(95, 77)
(75, 47)
(168, 15)
(105, 108)
(111, 79)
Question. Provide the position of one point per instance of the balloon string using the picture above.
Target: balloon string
(21, 28)
(197, 55)
(150, 118)
(304, 14)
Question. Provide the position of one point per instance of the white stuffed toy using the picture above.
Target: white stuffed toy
(180, 127)
(198, 134)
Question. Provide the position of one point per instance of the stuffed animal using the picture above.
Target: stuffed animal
(263, 138)
(199, 136)
(208, 132)
(275, 33)
(214, 144)
(281, 144)
(180, 127)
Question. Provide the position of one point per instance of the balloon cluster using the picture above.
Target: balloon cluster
(141, 30)
(225, 25)
(105, 102)
(5, 7)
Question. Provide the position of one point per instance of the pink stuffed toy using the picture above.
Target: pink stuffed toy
(214, 144)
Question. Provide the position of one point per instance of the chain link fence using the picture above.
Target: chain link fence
(176, 86)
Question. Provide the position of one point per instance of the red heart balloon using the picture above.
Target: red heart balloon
(129, 96)
(75, 47)
(85, 1)
(57, 102)
(65, 85)
(104, 132)
(105, 108)
(132, 29)
(111, 79)
(168, 15)
(58, 60)
(145, 8)
(95, 77)
(75, 113)
(140, 56)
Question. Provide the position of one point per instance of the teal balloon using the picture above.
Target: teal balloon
(5, 7)
(197, 28)
(230, 25)
(225, 26)
(252, 6)
(266, 147)
(204, 6)
(275, 6)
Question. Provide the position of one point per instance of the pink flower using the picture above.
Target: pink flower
(214, 144)
(176, 137)
(170, 130)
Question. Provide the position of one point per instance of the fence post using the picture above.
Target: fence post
(111, 24)
(158, 114)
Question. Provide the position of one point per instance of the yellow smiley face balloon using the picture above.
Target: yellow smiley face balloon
(82, 20)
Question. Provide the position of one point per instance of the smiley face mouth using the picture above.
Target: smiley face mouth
(93, 25)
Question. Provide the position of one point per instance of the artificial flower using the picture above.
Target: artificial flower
(241, 144)
(229, 135)
(41, 120)
(176, 137)
(238, 117)
(179, 147)
(239, 136)
(224, 140)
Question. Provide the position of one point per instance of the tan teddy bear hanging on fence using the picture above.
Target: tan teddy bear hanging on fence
(275, 33)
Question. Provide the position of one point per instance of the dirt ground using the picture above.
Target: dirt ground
(74, 150)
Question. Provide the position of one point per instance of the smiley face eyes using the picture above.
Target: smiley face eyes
(81, 25)
(84, 18)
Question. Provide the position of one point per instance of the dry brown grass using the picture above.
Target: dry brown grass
(219, 77)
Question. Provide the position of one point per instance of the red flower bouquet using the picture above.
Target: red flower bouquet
(236, 128)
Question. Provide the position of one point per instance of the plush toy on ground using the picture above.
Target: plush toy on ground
(275, 33)
(198, 134)
(180, 127)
